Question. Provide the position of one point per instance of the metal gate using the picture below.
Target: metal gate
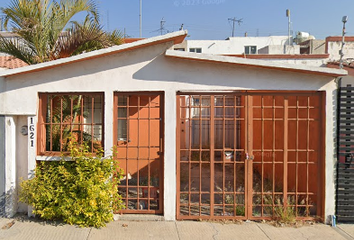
(247, 155)
(139, 136)
(345, 169)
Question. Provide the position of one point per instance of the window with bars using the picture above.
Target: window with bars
(63, 116)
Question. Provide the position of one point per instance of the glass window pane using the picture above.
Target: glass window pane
(122, 129)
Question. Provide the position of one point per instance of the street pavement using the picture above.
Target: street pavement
(28, 228)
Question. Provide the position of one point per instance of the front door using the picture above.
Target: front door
(250, 155)
(138, 134)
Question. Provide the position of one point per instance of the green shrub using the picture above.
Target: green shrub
(82, 191)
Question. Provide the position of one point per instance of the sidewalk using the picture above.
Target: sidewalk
(30, 229)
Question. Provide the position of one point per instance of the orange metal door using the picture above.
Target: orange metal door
(138, 134)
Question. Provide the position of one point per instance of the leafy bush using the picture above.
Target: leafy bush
(81, 191)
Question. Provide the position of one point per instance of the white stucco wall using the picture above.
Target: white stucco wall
(2, 166)
(21, 157)
(10, 167)
(149, 70)
(334, 47)
(317, 62)
(235, 45)
(280, 49)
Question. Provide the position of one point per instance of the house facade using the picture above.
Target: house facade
(198, 135)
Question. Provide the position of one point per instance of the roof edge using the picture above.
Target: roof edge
(176, 37)
(256, 63)
(279, 56)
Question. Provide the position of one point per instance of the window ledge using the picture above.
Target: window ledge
(52, 158)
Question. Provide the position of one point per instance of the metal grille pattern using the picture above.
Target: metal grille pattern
(64, 116)
(345, 170)
(286, 146)
(211, 170)
(248, 155)
(138, 134)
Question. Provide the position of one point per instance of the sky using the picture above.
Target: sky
(209, 19)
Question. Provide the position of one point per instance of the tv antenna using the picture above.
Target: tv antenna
(162, 28)
(162, 24)
(234, 20)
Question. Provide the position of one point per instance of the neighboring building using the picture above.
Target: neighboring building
(272, 48)
(318, 60)
(232, 45)
(280, 49)
(313, 46)
(345, 148)
(199, 136)
(334, 44)
(307, 50)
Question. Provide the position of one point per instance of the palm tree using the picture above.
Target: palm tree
(42, 34)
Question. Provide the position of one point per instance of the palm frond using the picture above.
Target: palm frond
(40, 24)
(16, 49)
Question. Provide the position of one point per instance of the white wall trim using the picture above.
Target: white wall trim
(10, 167)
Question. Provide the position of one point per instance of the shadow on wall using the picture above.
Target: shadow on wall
(168, 69)
(84, 68)
(8, 203)
(2, 205)
(2, 166)
(151, 64)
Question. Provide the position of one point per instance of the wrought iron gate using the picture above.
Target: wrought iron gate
(345, 169)
(138, 124)
(245, 155)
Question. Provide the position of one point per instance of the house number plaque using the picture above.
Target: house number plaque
(31, 132)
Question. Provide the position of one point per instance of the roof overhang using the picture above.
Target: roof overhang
(256, 63)
(348, 67)
(175, 37)
(280, 56)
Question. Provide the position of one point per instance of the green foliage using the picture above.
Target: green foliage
(41, 26)
(78, 192)
(240, 210)
(67, 116)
